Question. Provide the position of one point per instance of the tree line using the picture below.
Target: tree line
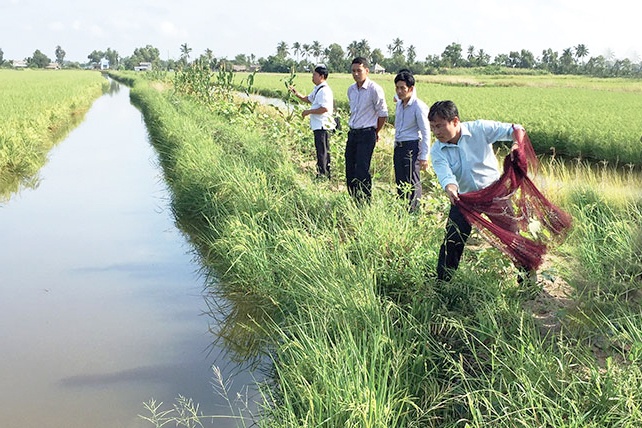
(303, 56)
(572, 60)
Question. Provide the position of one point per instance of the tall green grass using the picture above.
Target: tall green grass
(342, 299)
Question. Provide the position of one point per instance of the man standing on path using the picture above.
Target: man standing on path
(411, 139)
(368, 113)
(321, 121)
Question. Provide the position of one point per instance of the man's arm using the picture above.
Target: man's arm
(318, 110)
(300, 96)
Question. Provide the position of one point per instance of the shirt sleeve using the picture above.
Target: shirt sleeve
(443, 171)
(424, 130)
(380, 102)
(496, 131)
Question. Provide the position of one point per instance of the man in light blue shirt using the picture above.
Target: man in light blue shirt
(464, 161)
(411, 139)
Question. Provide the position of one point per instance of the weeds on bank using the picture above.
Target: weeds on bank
(185, 413)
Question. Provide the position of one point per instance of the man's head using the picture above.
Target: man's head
(404, 85)
(360, 69)
(319, 74)
(444, 121)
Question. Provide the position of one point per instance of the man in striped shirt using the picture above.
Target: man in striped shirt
(368, 113)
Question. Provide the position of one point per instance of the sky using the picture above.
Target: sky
(256, 27)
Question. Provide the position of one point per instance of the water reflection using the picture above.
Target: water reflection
(112, 88)
(101, 306)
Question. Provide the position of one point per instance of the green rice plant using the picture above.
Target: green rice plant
(607, 242)
(38, 108)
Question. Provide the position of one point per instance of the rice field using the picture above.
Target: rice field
(37, 108)
(573, 116)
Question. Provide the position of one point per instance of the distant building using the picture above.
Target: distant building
(53, 66)
(18, 63)
(104, 64)
(143, 66)
(378, 69)
(239, 67)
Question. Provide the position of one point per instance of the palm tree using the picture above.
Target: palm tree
(282, 50)
(471, 56)
(483, 59)
(581, 51)
(566, 61)
(364, 49)
(396, 47)
(316, 50)
(305, 49)
(296, 47)
(411, 54)
(352, 50)
(185, 51)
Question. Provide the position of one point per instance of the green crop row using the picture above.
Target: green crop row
(37, 109)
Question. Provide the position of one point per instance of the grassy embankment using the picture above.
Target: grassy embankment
(38, 108)
(342, 298)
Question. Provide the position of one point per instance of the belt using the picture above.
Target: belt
(402, 143)
(368, 129)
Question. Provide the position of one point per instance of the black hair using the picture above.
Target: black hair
(444, 110)
(322, 70)
(405, 75)
(361, 60)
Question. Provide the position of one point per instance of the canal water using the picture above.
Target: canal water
(101, 306)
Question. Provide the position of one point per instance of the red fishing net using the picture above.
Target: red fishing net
(512, 214)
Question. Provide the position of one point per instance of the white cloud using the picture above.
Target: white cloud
(96, 31)
(56, 26)
(169, 29)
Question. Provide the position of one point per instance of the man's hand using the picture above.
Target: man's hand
(452, 191)
(423, 165)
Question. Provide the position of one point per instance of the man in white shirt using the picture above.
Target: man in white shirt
(321, 121)
(368, 113)
(411, 139)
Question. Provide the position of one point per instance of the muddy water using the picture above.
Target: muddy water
(100, 305)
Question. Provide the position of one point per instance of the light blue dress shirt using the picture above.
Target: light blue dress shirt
(411, 123)
(471, 164)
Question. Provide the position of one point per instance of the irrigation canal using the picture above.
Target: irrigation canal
(100, 303)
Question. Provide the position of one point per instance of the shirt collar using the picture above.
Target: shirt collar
(366, 84)
(411, 101)
(464, 132)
